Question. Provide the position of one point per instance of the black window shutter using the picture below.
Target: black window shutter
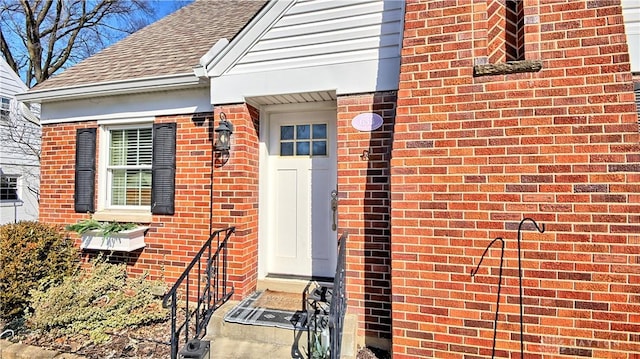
(163, 168)
(85, 170)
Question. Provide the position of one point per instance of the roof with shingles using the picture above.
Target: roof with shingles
(171, 46)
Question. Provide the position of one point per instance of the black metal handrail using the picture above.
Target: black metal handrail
(211, 290)
(338, 305)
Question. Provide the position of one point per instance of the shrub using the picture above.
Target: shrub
(96, 302)
(32, 254)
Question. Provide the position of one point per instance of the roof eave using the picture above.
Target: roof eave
(112, 88)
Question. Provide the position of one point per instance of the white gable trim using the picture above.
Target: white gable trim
(150, 84)
(246, 38)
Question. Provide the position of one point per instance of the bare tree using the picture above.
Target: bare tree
(40, 37)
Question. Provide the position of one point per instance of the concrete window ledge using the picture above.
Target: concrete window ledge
(123, 216)
(506, 68)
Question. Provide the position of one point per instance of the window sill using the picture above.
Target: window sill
(125, 241)
(11, 203)
(506, 68)
(123, 216)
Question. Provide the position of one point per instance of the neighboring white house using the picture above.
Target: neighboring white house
(19, 152)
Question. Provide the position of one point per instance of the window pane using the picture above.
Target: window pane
(118, 187)
(130, 159)
(130, 187)
(286, 149)
(303, 132)
(319, 148)
(5, 106)
(116, 150)
(320, 131)
(9, 188)
(286, 132)
(145, 188)
(139, 146)
(302, 148)
(145, 149)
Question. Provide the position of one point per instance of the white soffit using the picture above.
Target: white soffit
(285, 99)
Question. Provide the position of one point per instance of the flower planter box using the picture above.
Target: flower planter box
(125, 241)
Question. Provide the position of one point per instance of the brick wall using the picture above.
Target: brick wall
(57, 172)
(363, 184)
(171, 241)
(472, 156)
(235, 196)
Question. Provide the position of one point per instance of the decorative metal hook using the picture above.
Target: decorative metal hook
(475, 271)
(541, 230)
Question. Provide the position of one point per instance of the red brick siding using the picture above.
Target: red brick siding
(57, 173)
(473, 156)
(499, 30)
(497, 45)
(235, 196)
(363, 184)
(171, 241)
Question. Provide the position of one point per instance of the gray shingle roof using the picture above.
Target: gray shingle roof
(171, 46)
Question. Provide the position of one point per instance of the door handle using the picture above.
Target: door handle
(334, 208)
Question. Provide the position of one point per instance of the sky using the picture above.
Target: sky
(166, 7)
(162, 9)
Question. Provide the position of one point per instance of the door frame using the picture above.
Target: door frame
(264, 166)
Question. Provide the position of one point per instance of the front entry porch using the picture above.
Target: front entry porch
(283, 318)
(288, 324)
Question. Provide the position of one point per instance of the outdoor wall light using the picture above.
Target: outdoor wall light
(223, 133)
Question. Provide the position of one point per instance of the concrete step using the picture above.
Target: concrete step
(233, 340)
(226, 348)
(219, 328)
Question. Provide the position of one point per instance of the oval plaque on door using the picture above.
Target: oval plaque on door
(367, 122)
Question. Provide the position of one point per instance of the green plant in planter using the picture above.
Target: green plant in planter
(320, 344)
(103, 228)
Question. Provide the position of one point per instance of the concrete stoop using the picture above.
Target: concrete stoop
(233, 340)
(10, 350)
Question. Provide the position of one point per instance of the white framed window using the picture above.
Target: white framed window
(126, 171)
(5, 108)
(9, 190)
(303, 140)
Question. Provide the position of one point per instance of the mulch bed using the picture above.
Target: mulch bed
(372, 353)
(150, 341)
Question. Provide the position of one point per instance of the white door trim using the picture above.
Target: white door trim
(264, 165)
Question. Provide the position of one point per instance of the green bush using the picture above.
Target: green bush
(96, 302)
(32, 254)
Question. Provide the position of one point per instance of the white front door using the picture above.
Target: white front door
(302, 174)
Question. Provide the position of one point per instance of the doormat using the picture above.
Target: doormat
(271, 299)
(247, 312)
